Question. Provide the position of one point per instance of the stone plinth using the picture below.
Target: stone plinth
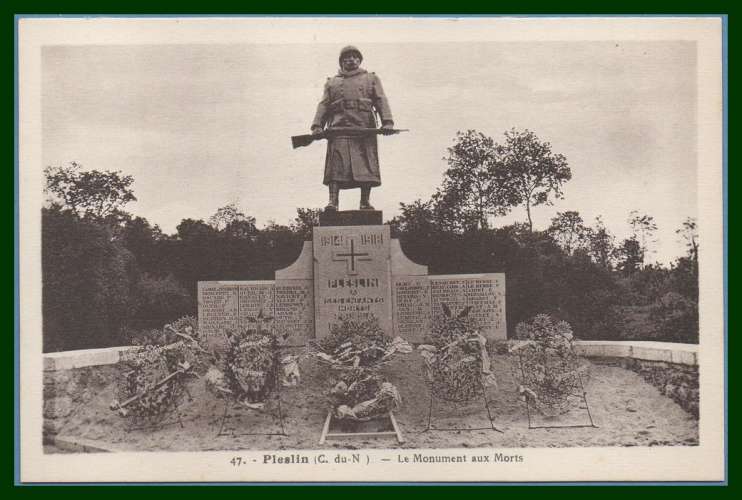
(355, 271)
(350, 218)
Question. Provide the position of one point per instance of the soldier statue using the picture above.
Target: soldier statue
(352, 99)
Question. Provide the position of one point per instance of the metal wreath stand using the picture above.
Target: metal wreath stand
(582, 395)
(230, 402)
(327, 434)
(485, 401)
(165, 417)
(394, 429)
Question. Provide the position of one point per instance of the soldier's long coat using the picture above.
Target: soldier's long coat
(352, 99)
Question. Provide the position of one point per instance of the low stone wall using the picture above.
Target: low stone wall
(67, 360)
(71, 379)
(66, 390)
(672, 368)
(678, 382)
(666, 352)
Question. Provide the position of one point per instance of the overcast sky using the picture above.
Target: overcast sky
(203, 125)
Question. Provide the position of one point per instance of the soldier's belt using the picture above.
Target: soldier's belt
(359, 104)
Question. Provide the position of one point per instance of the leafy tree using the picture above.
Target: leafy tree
(521, 233)
(684, 278)
(190, 229)
(142, 240)
(305, 220)
(473, 182)
(630, 256)
(416, 218)
(676, 318)
(689, 233)
(569, 231)
(241, 229)
(531, 172)
(196, 254)
(86, 283)
(276, 247)
(449, 214)
(644, 228)
(159, 300)
(601, 246)
(417, 228)
(231, 222)
(89, 194)
(644, 286)
(230, 218)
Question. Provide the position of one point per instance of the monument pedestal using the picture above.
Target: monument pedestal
(352, 275)
(350, 218)
(354, 270)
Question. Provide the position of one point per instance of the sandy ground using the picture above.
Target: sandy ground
(627, 410)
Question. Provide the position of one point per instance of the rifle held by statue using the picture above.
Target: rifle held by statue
(298, 141)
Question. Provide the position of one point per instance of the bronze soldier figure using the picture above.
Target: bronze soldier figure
(352, 99)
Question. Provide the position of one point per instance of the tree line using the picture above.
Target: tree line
(109, 276)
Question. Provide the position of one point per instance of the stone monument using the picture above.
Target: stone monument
(352, 270)
(352, 267)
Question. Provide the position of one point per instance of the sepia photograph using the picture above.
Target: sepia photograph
(372, 249)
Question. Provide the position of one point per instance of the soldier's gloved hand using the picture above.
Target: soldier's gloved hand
(387, 128)
(316, 130)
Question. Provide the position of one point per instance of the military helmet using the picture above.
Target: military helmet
(349, 48)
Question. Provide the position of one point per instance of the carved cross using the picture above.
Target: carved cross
(351, 258)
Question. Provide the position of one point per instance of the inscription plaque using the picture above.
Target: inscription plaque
(411, 307)
(231, 304)
(217, 307)
(352, 278)
(293, 310)
(484, 292)
(255, 297)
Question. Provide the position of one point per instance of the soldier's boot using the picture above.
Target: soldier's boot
(334, 189)
(365, 194)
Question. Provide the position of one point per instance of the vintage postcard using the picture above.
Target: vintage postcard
(371, 249)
